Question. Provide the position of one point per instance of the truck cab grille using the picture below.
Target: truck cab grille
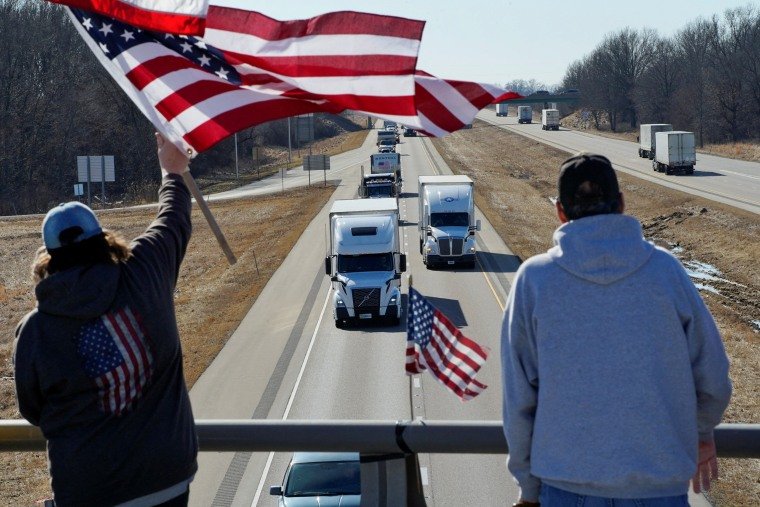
(450, 247)
(366, 298)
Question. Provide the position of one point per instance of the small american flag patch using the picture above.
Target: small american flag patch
(115, 355)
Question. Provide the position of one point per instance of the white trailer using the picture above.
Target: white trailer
(447, 222)
(675, 152)
(365, 261)
(524, 114)
(502, 109)
(647, 132)
(549, 119)
(385, 163)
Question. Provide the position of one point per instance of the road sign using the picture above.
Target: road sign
(79, 189)
(316, 163)
(101, 167)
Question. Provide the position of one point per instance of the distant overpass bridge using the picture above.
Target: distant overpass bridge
(546, 99)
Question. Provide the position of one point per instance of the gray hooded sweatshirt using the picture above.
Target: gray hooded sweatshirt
(98, 367)
(613, 366)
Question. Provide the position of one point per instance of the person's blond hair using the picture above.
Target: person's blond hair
(107, 247)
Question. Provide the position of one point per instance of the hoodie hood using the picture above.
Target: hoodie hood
(601, 248)
(82, 292)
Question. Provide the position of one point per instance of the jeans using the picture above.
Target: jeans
(553, 497)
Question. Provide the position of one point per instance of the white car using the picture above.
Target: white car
(322, 479)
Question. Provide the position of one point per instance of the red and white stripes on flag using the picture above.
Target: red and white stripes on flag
(445, 106)
(364, 62)
(114, 353)
(250, 69)
(434, 343)
(185, 17)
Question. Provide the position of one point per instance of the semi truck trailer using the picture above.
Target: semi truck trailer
(675, 152)
(647, 132)
(550, 119)
(502, 110)
(524, 114)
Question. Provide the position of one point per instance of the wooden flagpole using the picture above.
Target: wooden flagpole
(408, 309)
(193, 187)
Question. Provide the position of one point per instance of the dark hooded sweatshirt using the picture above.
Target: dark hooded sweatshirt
(98, 368)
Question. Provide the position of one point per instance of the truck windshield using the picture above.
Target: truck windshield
(365, 262)
(449, 219)
(380, 191)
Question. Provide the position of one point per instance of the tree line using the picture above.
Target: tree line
(705, 78)
(58, 102)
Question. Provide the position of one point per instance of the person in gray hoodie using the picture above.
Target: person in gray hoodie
(614, 372)
(98, 363)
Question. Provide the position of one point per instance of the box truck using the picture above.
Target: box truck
(447, 222)
(524, 114)
(647, 132)
(386, 135)
(550, 119)
(502, 109)
(675, 152)
(364, 261)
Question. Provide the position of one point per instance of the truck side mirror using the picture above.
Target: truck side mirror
(275, 490)
(477, 225)
(328, 266)
(402, 262)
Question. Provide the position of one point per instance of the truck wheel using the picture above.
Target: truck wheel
(690, 170)
(393, 320)
(668, 170)
(340, 324)
(420, 246)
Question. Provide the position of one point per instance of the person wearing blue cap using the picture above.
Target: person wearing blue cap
(614, 372)
(98, 363)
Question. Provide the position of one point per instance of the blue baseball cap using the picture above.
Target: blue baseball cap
(69, 223)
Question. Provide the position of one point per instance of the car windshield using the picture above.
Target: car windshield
(365, 262)
(380, 191)
(450, 219)
(327, 478)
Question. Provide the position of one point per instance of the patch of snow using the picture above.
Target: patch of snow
(704, 271)
(708, 288)
(756, 325)
(676, 250)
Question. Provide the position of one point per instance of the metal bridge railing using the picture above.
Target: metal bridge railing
(389, 449)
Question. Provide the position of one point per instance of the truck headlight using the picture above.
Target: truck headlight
(393, 300)
(472, 249)
(428, 249)
(340, 302)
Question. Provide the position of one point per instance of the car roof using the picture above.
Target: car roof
(321, 457)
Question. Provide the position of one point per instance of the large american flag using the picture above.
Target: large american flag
(445, 105)
(115, 355)
(249, 69)
(171, 16)
(434, 343)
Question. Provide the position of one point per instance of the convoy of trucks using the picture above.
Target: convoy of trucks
(502, 109)
(364, 261)
(447, 222)
(524, 114)
(647, 133)
(549, 119)
(675, 152)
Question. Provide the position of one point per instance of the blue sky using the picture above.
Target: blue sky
(499, 40)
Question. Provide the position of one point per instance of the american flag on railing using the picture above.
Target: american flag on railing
(115, 355)
(434, 343)
(172, 16)
(249, 69)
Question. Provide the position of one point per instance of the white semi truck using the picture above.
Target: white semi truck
(502, 109)
(524, 114)
(675, 152)
(447, 222)
(365, 262)
(647, 132)
(550, 119)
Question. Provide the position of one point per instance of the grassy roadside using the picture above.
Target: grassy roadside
(515, 179)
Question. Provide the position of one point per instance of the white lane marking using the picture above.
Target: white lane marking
(417, 383)
(424, 475)
(292, 397)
